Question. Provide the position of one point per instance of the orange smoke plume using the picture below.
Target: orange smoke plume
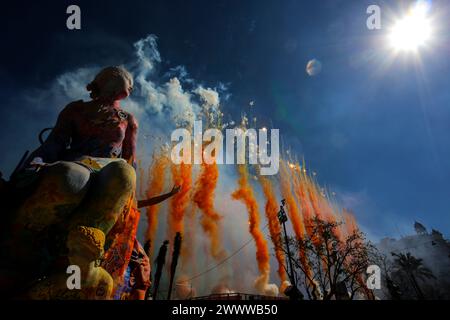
(245, 194)
(204, 198)
(184, 289)
(293, 211)
(320, 202)
(350, 222)
(271, 210)
(313, 194)
(300, 187)
(322, 206)
(335, 218)
(157, 173)
(181, 176)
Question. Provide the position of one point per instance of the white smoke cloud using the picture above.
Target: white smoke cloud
(168, 100)
(222, 288)
(264, 287)
(184, 289)
(147, 54)
(209, 96)
(73, 84)
(284, 285)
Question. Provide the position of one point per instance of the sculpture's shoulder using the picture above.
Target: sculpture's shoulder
(132, 121)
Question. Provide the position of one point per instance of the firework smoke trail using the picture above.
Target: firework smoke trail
(330, 214)
(293, 211)
(320, 208)
(313, 194)
(349, 222)
(157, 173)
(300, 186)
(305, 186)
(245, 194)
(336, 217)
(351, 227)
(320, 204)
(204, 199)
(301, 183)
(181, 176)
(271, 210)
(328, 209)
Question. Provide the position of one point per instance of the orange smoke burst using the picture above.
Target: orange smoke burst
(245, 194)
(181, 176)
(204, 198)
(349, 222)
(157, 172)
(314, 200)
(319, 200)
(321, 204)
(293, 211)
(301, 182)
(271, 211)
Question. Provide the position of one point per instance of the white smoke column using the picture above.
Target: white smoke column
(184, 289)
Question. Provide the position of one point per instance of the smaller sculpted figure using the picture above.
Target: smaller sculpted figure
(85, 246)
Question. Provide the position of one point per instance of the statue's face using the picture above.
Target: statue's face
(125, 91)
(117, 89)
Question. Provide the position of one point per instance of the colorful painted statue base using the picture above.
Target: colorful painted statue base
(89, 281)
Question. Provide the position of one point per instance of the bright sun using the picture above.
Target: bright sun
(413, 30)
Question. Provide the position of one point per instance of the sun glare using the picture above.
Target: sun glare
(412, 31)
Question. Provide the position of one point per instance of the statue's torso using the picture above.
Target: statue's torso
(97, 130)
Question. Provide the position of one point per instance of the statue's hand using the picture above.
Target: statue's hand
(37, 162)
(175, 190)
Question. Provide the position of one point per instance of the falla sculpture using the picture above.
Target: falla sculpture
(72, 202)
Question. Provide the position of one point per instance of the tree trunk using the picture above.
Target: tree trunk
(417, 288)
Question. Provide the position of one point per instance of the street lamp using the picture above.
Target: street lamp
(292, 291)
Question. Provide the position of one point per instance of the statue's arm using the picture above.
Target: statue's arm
(155, 200)
(129, 143)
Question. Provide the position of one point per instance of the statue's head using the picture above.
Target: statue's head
(85, 245)
(111, 84)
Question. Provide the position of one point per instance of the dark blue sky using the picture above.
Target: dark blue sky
(376, 134)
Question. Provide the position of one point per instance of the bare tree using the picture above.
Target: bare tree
(330, 264)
